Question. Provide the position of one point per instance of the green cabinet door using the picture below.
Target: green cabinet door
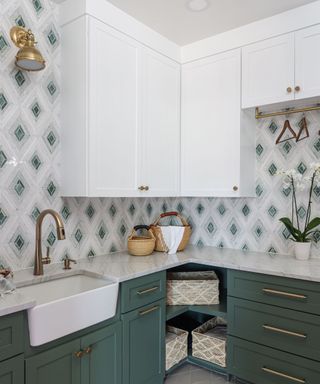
(144, 344)
(102, 362)
(12, 371)
(56, 366)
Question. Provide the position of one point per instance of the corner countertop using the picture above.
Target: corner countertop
(121, 266)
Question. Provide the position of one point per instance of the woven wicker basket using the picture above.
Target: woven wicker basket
(209, 344)
(141, 245)
(156, 229)
(176, 346)
(192, 288)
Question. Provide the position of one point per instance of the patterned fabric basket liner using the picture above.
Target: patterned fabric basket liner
(176, 346)
(209, 341)
(192, 288)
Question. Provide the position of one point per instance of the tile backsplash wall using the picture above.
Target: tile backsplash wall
(30, 162)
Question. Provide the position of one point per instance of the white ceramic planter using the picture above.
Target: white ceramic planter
(302, 250)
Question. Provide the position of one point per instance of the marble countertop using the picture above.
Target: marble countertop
(121, 267)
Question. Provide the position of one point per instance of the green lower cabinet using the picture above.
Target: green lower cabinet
(144, 344)
(58, 365)
(12, 371)
(102, 363)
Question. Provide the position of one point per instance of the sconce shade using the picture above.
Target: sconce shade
(28, 57)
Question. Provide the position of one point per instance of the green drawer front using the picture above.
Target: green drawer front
(11, 335)
(142, 291)
(300, 295)
(284, 329)
(12, 371)
(263, 365)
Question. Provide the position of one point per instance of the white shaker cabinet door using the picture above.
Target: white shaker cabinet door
(113, 118)
(268, 71)
(211, 126)
(160, 133)
(307, 83)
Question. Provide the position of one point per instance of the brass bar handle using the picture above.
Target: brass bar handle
(79, 354)
(285, 376)
(284, 331)
(284, 294)
(142, 313)
(88, 350)
(149, 290)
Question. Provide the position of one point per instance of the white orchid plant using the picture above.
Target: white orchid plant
(301, 231)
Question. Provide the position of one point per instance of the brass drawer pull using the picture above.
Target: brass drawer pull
(142, 313)
(284, 294)
(79, 354)
(149, 290)
(88, 350)
(280, 374)
(284, 331)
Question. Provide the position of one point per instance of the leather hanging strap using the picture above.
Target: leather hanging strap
(286, 127)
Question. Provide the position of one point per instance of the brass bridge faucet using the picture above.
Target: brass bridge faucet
(38, 259)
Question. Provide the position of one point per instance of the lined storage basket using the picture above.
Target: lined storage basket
(176, 346)
(156, 229)
(209, 341)
(141, 245)
(192, 288)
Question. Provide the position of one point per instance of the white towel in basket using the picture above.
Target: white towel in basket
(172, 236)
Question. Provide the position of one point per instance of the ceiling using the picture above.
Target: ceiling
(173, 19)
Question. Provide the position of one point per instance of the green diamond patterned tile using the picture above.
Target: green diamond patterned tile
(316, 191)
(19, 133)
(210, 227)
(91, 253)
(78, 236)
(19, 187)
(52, 88)
(272, 211)
(302, 168)
(102, 232)
(272, 250)
(259, 149)
(113, 248)
(233, 229)
(316, 236)
(259, 190)
(3, 43)
(51, 188)
(20, 78)
(286, 233)
(258, 230)
(90, 211)
(122, 230)
(35, 213)
(286, 191)
(3, 217)
(3, 159)
(37, 5)
(180, 207)
(19, 242)
(200, 209)
(36, 109)
(19, 21)
(52, 38)
(35, 161)
(245, 247)
(246, 210)
(149, 209)
(272, 169)
(112, 211)
(132, 209)
(65, 212)
(302, 212)
(200, 244)
(287, 147)
(51, 238)
(316, 145)
(3, 102)
(273, 127)
(221, 209)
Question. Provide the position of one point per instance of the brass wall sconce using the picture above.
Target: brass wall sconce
(28, 57)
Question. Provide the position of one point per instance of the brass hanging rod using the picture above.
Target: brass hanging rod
(261, 115)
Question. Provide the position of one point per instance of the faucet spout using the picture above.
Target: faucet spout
(38, 259)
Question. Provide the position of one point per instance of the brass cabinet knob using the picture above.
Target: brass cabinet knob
(297, 88)
(88, 350)
(144, 188)
(289, 89)
(235, 188)
(79, 354)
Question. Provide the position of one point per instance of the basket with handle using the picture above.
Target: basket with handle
(156, 229)
(141, 245)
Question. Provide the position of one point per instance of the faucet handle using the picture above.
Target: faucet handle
(67, 261)
(47, 259)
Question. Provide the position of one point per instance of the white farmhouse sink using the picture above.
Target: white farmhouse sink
(67, 305)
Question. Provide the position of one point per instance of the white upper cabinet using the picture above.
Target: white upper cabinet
(307, 56)
(268, 71)
(282, 69)
(121, 108)
(160, 134)
(217, 153)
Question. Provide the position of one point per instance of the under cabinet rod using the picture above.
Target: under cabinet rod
(260, 115)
